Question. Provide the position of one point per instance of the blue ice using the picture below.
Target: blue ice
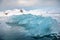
(36, 25)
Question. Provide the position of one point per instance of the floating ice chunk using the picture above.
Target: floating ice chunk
(36, 25)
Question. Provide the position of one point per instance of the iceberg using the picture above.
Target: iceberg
(36, 25)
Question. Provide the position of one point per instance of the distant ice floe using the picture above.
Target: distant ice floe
(55, 14)
(11, 12)
(33, 12)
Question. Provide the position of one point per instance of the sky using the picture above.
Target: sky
(29, 4)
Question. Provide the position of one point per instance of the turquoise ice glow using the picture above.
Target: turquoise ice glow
(36, 25)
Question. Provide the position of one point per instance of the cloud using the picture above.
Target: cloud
(28, 3)
(8, 3)
(19, 2)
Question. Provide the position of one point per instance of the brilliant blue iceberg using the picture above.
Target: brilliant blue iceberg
(35, 25)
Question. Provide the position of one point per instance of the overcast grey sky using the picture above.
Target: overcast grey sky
(29, 4)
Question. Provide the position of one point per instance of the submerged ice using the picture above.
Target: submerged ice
(34, 25)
